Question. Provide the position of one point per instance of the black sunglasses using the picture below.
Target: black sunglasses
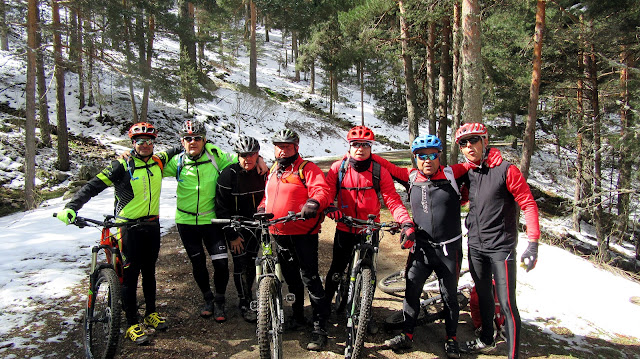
(472, 140)
(194, 138)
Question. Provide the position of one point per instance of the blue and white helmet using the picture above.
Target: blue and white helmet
(426, 141)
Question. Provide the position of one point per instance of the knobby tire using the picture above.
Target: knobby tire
(268, 329)
(102, 316)
(362, 300)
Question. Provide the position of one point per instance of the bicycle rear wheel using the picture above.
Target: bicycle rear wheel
(393, 283)
(360, 313)
(269, 328)
(102, 316)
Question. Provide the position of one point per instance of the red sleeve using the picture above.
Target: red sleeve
(399, 173)
(317, 187)
(460, 169)
(392, 199)
(517, 185)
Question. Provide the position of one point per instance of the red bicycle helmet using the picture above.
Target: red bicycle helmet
(360, 133)
(471, 129)
(142, 129)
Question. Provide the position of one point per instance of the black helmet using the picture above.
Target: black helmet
(193, 127)
(286, 136)
(246, 144)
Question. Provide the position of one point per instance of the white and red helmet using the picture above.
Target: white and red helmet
(360, 133)
(471, 129)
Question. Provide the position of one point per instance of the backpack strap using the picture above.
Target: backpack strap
(448, 172)
(412, 179)
(375, 176)
(301, 174)
(180, 166)
(131, 165)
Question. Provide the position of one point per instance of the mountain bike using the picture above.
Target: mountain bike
(357, 284)
(269, 304)
(431, 306)
(101, 322)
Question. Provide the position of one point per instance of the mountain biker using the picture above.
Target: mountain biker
(197, 169)
(137, 182)
(298, 185)
(240, 191)
(351, 182)
(494, 192)
(435, 205)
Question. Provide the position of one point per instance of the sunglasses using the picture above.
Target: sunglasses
(360, 144)
(194, 138)
(247, 154)
(472, 140)
(144, 141)
(428, 156)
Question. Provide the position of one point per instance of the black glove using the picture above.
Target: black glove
(334, 213)
(310, 209)
(407, 236)
(530, 256)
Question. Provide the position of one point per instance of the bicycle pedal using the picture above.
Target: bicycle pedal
(253, 305)
(290, 297)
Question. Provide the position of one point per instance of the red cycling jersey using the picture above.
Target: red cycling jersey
(357, 197)
(286, 192)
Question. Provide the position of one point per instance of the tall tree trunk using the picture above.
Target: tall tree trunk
(90, 44)
(188, 65)
(30, 127)
(534, 91)
(266, 28)
(151, 31)
(43, 103)
(79, 66)
(361, 65)
(4, 28)
(72, 33)
(443, 88)
(431, 78)
(127, 43)
(471, 62)
(578, 193)
(253, 56)
(456, 79)
(295, 54)
(625, 160)
(61, 107)
(592, 77)
(331, 92)
(410, 85)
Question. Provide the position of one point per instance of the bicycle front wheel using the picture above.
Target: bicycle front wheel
(102, 316)
(360, 313)
(269, 325)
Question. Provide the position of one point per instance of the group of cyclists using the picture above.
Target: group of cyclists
(215, 184)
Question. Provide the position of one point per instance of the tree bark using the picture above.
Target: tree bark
(61, 107)
(30, 127)
(266, 28)
(578, 192)
(253, 56)
(43, 103)
(410, 86)
(129, 56)
(534, 91)
(456, 96)
(312, 80)
(361, 65)
(431, 78)
(151, 31)
(79, 65)
(443, 88)
(4, 28)
(90, 44)
(295, 54)
(471, 62)
(625, 161)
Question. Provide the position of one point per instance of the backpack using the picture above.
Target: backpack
(181, 163)
(300, 173)
(474, 308)
(375, 176)
(448, 173)
(131, 165)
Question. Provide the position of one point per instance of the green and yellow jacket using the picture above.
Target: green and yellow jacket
(197, 180)
(137, 186)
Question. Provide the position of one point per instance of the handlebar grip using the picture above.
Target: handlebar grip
(220, 221)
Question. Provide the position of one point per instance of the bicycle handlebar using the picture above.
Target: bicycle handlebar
(259, 220)
(109, 222)
(392, 227)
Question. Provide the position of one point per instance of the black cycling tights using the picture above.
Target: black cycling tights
(140, 248)
(195, 239)
(502, 267)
